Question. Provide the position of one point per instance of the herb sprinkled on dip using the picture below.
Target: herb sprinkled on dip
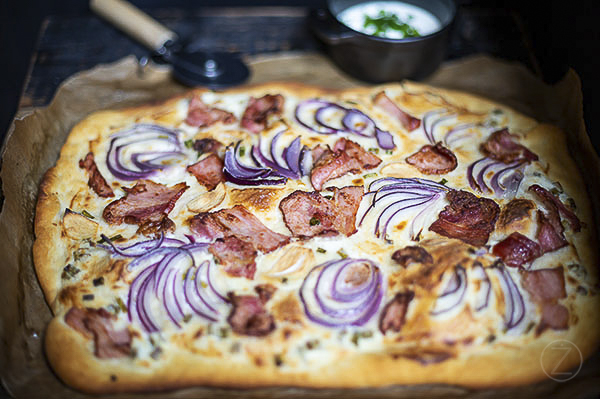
(389, 19)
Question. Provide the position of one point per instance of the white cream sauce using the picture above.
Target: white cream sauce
(422, 20)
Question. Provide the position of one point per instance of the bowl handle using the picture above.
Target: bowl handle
(327, 28)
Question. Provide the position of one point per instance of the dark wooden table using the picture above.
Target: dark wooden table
(71, 44)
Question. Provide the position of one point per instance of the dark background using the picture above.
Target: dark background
(561, 34)
(558, 35)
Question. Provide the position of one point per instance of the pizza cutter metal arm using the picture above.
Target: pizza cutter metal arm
(211, 69)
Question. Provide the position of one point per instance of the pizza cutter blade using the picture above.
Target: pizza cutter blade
(214, 70)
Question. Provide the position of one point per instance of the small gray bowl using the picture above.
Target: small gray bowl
(376, 59)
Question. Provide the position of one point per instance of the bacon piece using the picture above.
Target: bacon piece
(468, 218)
(516, 209)
(207, 145)
(346, 157)
(308, 214)
(433, 160)
(547, 198)
(516, 250)
(249, 317)
(393, 314)
(256, 115)
(546, 287)
(96, 180)
(550, 234)
(409, 122)
(144, 201)
(238, 222)
(501, 147)
(265, 292)
(208, 171)
(97, 324)
(410, 254)
(235, 255)
(156, 224)
(554, 316)
(201, 115)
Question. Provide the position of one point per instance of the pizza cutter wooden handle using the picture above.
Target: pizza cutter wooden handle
(134, 22)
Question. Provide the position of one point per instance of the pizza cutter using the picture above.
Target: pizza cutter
(192, 68)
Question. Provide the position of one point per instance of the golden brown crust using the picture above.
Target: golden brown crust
(478, 365)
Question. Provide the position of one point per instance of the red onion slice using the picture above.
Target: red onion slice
(325, 117)
(134, 250)
(291, 156)
(497, 181)
(502, 182)
(142, 135)
(514, 310)
(457, 133)
(329, 302)
(391, 198)
(385, 140)
(453, 293)
(169, 275)
(359, 123)
(482, 296)
(331, 116)
(428, 121)
(246, 175)
(305, 115)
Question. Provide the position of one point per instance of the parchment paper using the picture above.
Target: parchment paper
(35, 138)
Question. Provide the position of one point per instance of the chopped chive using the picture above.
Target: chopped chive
(375, 150)
(116, 237)
(121, 305)
(187, 318)
(321, 250)
(278, 360)
(189, 143)
(369, 175)
(242, 151)
(314, 221)
(389, 152)
(223, 332)
(443, 181)
(87, 214)
(69, 271)
(343, 254)
(156, 353)
(98, 281)
(361, 334)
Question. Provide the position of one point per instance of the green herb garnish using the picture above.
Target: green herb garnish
(187, 318)
(69, 271)
(375, 150)
(189, 143)
(321, 250)
(98, 281)
(360, 334)
(314, 221)
(87, 214)
(443, 181)
(342, 254)
(389, 152)
(369, 175)
(385, 22)
(242, 151)
(121, 305)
